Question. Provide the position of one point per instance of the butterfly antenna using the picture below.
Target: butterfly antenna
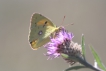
(67, 24)
(63, 19)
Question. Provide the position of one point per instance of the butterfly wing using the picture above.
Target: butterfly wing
(40, 30)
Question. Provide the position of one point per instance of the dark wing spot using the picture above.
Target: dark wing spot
(31, 42)
(40, 33)
(45, 23)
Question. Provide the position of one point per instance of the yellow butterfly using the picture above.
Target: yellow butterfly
(40, 30)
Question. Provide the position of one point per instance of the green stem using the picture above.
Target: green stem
(85, 63)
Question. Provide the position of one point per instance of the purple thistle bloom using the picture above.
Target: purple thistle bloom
(56, 46)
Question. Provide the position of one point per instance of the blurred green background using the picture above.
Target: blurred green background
(88, 16)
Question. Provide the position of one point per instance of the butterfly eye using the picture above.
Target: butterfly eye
(40, 33)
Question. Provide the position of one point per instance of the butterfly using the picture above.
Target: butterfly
(40, 30)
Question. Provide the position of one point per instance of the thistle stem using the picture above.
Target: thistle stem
(85, 63)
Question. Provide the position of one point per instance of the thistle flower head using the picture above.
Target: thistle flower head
(62, 43)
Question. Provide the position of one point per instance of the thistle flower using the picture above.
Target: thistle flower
(62, 43)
